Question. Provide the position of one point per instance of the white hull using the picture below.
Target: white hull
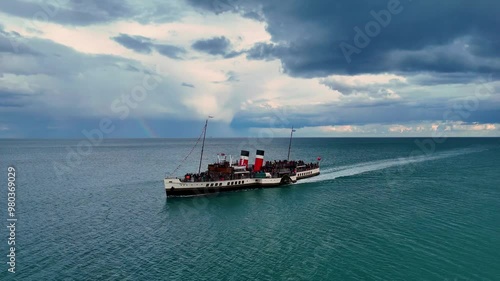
(176, 187)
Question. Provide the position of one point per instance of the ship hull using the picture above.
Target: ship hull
(175, 187)
(207, 190)
(308, 174)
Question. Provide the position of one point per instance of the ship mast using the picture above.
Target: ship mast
(203, 145)
(290, 145)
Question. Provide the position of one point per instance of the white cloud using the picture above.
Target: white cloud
(460, 126)
(400, 129)
(364, 79)
(421, 129)
(341, 129)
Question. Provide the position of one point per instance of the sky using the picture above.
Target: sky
(344, 68)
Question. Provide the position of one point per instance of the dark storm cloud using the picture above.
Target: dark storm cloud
(222, 6)
(215, 46)
(12, 42)
(308, 35)
(69, 11)
(35, 125)
(146, 45)
(383, 112)
(5, 42)
(10, 98)
(56, 84)
(485, 46)
(9, 95)
(52, 59)
(137, 43)
(431, 78)
(264, 51)
(253, 15)
(170, 51)
(216, 6)
(88, 12)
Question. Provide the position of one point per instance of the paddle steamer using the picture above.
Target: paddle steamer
(228, 175)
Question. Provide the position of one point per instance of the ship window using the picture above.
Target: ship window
(228, 183)
(208, 184)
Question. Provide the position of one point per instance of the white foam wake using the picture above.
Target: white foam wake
(356, 169)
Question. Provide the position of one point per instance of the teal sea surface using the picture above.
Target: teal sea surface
(382, 209)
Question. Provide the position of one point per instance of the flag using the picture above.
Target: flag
(319, 158)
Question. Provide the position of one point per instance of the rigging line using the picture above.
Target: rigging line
(189, 154)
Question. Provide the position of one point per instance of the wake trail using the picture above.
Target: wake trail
(356, 169)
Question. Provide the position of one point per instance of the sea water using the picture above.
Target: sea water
(382, 209)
